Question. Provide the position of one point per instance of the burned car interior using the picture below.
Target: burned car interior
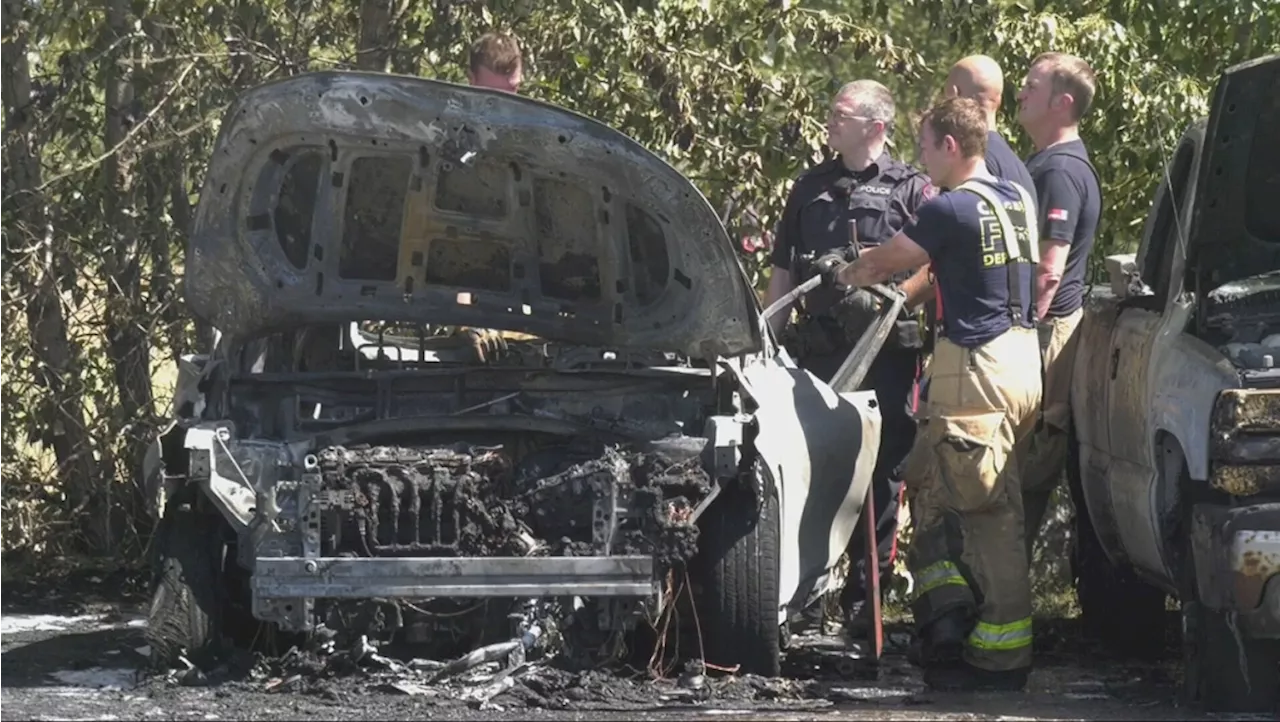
(342, 461)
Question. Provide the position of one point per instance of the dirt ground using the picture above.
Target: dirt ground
(73, 649)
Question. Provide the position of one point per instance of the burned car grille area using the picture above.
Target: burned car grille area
(576, 499)
(417, 502)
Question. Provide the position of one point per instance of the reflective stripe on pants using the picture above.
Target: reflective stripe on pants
(966, 494)
(937, 575)
(1001, 637)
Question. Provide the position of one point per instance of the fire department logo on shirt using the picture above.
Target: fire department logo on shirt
(1057, 214)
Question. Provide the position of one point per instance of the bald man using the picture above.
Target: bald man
(978, 77)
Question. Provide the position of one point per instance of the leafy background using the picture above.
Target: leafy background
(111, 107)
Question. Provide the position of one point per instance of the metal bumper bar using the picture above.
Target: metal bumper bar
(422, 577)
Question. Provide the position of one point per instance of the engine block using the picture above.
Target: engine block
(434, 501)
(463, 500)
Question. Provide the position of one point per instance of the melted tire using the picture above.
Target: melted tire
(186, 608)
(1225, 672)
(1121, 612)
(1222, 670)
(738, 606)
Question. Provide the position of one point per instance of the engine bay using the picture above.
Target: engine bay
(577, 497)
(1242, 319)
(499, 496)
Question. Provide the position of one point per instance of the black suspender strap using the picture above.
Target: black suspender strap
(1018, 248)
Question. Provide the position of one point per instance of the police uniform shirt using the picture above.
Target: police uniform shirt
(1070, 204)
(880, 199)
(964, 243)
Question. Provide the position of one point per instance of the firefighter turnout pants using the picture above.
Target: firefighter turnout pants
(1046, 455)
(964, 488)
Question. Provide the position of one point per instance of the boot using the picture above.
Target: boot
(809, 621)
(857, 620)
(964, 677)
(942, 640)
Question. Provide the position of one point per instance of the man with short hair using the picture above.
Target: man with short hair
(495, 62)
(1056, 94)
(863, 187)
(973, 603)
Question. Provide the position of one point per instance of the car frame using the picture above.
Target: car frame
(241, 480)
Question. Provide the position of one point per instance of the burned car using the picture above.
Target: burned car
(1176, 410)
(335, 464)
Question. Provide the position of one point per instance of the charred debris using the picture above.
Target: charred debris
(581, 497)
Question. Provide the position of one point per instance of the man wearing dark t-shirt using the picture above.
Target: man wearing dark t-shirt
(979, 78)
(1056, 94)
(980, 237)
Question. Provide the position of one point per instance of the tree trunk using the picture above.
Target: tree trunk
(127, 323)
(180, 212)
(376, 39)
(34, 252)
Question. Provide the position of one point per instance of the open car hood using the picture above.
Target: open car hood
(1235, 229)
(338, 196)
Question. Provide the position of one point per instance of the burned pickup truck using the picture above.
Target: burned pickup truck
(338, 463)
(1176, 410)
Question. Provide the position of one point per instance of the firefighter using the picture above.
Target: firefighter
(973, 604)
(864, 185)
(1056, 94)
(979, 78)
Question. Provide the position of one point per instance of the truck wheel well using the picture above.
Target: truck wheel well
(1178, 492)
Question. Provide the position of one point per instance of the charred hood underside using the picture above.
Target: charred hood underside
(337, 196)
(1235, 230)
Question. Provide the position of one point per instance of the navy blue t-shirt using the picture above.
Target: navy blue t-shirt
(1070, 203)
(964, 243)
(1002, 162)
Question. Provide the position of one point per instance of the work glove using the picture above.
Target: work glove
(855, 312)
(486, 343)
(828, 266)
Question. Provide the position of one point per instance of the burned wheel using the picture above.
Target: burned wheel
(1117, 609)
(738, 560)
(186, 600)
(1224, 671)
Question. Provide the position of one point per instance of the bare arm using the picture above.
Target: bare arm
(1053, 262)
(876, 265)
(780, 284)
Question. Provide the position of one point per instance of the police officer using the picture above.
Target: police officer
(973, 609)
(877, 193)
